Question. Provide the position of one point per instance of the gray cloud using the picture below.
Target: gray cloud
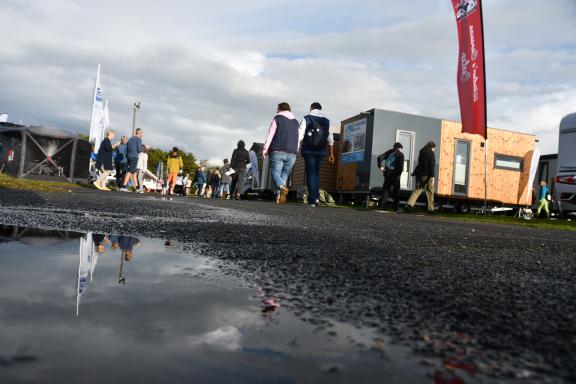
(208, 76)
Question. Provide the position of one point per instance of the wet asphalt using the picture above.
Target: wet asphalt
(490, 300)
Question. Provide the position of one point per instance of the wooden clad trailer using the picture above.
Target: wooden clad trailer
(460, 165)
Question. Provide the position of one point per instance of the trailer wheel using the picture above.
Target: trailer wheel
(464, 208)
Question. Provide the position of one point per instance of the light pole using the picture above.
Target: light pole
(136, 107)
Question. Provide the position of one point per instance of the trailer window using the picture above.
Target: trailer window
(510, 163)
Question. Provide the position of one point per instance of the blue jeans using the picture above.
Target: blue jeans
(224, 187)
(281, 164)
(313, 161)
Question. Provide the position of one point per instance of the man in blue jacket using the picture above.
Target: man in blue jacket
(133, 149)
(317, 141)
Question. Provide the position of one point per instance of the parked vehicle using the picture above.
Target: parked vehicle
(565, 180)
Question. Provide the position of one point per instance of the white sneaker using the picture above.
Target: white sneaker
(123, 190)
(97, 185)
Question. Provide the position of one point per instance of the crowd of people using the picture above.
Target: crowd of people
(311, 137)
(285, 139)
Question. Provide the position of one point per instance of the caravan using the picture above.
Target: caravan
(565, 181)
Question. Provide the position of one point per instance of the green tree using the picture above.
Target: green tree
(189, 160)
(155, 155)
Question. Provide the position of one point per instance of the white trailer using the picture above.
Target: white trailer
(565, 181)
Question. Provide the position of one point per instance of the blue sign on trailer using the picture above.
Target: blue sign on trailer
(354, 141)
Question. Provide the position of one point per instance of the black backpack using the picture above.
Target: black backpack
(315, 136)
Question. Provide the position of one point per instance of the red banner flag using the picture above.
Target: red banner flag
(471, 67)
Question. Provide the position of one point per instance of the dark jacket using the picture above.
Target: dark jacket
(397, 166)
(240, 157)
(286, 136)
(426, 164)
(104, 157)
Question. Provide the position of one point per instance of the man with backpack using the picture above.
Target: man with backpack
(316, 140)
(391, 163)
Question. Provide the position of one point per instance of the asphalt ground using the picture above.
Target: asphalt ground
(491, 300)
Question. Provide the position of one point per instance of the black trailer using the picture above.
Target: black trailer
(43, 152)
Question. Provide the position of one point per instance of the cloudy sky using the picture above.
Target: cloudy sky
(209, 74)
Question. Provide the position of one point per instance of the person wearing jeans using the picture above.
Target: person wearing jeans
(225, 180)
(282, 146)
(317, 138)
(281, 164)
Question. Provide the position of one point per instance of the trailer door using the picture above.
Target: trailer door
(461, 165)
(406, 138)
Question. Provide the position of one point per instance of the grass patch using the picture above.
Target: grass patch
(563, 225)
(9, 182)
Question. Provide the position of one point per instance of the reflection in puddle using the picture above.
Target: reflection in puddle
(99, 308)
(92, 245)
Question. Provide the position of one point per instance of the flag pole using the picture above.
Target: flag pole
(78, 279)
(92, 114)
(94, 98)
(485, 176)
(485, 113)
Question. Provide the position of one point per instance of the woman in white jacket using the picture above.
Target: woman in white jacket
(142, 167)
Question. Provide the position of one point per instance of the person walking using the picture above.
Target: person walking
(543, 199)
(187, 183)
(424, 173)
(133, 148)
(174, 164)
(104, 164)
(200, 181)
(225, 181)
(240, 158)
(121, 161)
(282, 146)
(142, 168)
(391, 163)
(317, 139)
(215, 183)
(207, 193)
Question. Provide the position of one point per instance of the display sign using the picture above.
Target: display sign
(354, 141)
(471, 66)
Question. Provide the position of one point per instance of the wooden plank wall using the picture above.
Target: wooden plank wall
(327, 172)
(508, 187)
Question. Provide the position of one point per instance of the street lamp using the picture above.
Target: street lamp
(136, 107)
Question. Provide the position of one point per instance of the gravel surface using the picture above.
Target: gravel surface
(492, 300)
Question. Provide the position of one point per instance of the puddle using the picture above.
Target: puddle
(93, 308)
